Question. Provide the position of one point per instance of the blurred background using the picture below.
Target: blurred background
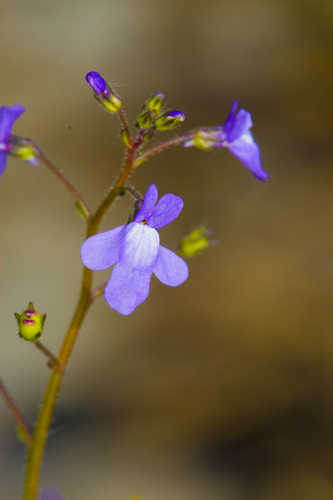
(223, 387)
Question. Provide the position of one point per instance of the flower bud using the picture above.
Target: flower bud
(30, 323)
(155, 103)
(169, 120)
(144, 119)
(194, 243)
(97, 83)
(103, 92)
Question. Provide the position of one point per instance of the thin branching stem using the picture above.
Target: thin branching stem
(175, 141)
(36, 450)
(23, 426)
(69, 186)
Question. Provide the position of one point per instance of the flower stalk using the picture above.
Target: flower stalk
(21, 423)
(36, 450)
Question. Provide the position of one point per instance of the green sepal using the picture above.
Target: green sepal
(155, 103)
(124, 134)
(144, 119)
(80, 209)
(22, 435)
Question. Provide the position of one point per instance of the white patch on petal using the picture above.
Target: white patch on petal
(140, 246)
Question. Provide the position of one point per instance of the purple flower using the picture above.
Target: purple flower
(8, 116)
(135, 249)
(236, 136)
(50, 494)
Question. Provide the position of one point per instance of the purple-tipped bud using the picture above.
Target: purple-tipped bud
(97, 83)
(169, 120)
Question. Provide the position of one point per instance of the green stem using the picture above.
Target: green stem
(16, 413)
(36, 450)
(175, 141)
(58, 173)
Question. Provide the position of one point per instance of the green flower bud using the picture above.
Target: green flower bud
(30, 323)
(169, 120)
(144, 119)
(194, 243)
(155, 103)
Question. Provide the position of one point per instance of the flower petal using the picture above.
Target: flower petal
(166, 210)
(102, 250)
(148, 204)
(8, 116)
(3, 161)
(50, 494)
(127, 288)
(247, 151)
(170, 269)
(140, 246)
(241, 124)
(229, 123)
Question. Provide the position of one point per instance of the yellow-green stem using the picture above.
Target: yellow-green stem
(36, 450)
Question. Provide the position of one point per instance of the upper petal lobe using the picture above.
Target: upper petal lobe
(166, 210)
(241, 124)
(148, 204)
(170, 269)
(102, 250)
(8, 116)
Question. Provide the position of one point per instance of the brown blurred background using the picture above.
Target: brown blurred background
(221, 388)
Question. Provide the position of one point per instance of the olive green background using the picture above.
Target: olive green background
(223, 387)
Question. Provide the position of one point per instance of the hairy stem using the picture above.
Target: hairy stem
(16, 413)
(175, 141)
(36, 450)
(76, 195)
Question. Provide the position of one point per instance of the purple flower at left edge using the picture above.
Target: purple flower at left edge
(50, 494)
(135, 249)
(8, 116)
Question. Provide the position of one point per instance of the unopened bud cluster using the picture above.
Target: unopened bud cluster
(153, 116)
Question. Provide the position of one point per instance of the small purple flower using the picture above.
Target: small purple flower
(135, 249)
(50, 494)
(8, 116)
(236, 136)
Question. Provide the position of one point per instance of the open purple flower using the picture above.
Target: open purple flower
(8, 116)
(236, 136)
(135, 249)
